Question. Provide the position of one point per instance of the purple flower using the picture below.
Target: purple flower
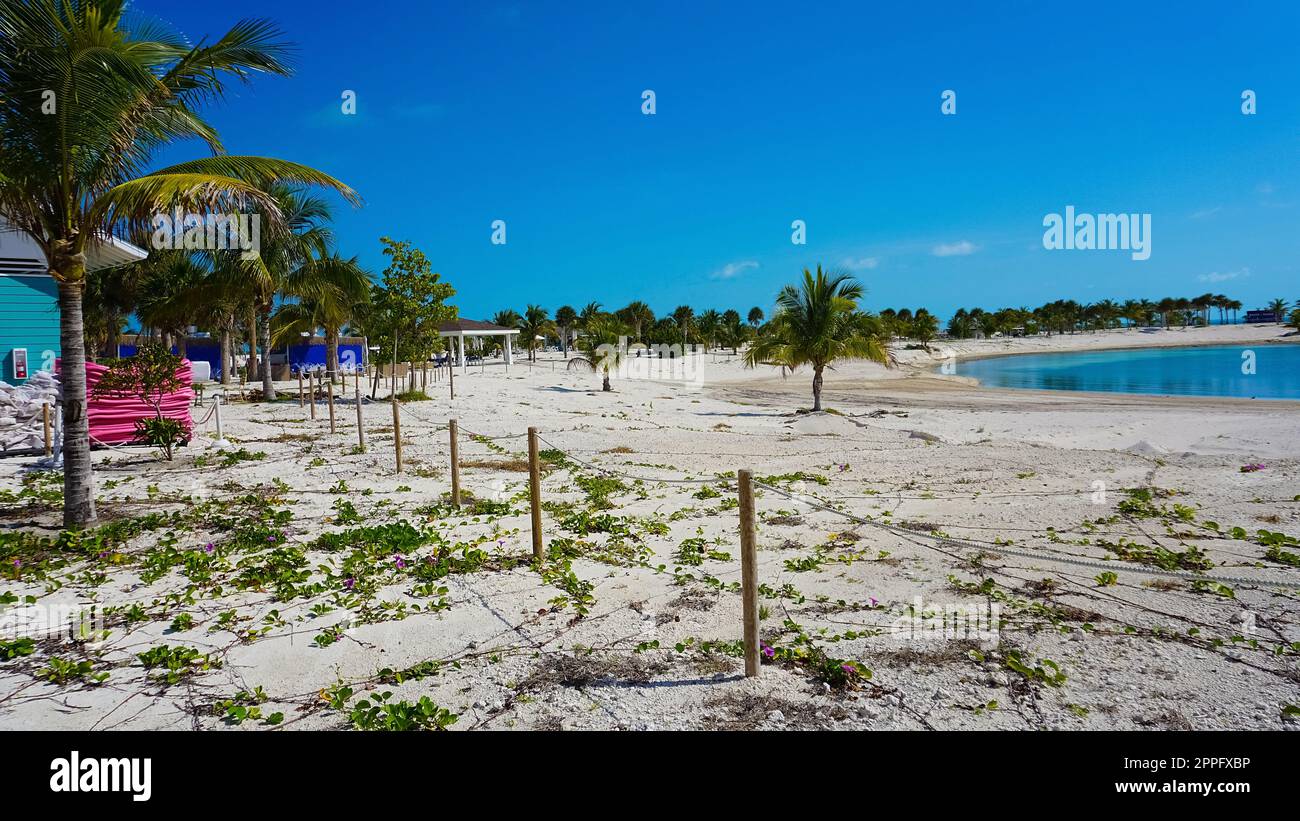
(873, 601)
(18, 562)
(270, 538)
(349, 583)
(768, 651)
(103, 554)
(208, 548)
(400, 562)
(849, 668)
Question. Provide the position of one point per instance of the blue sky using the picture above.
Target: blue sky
(768, 113)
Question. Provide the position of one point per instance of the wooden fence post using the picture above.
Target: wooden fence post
(331, 401)
(535, 491)
(311, 386)
(748, 572)
(300, 387)
(45, 421)
(397, 432)
(455, 463)
(361, 428)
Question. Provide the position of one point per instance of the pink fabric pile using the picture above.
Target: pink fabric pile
(112, 418)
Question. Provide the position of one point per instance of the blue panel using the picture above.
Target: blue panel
(29, 318)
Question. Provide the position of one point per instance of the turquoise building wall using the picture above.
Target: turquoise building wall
(29, 318)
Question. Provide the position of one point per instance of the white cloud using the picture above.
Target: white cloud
(1206, 212)
(1215, 276)
(1265, 188)
(955, 249)
(861, 263)
(733, 269)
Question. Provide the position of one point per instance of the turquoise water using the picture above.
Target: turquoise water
(1209, 371)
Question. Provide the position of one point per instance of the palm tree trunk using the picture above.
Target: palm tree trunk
(332, 352)
(604, 385)
(78, 475)
(250, 367)
(227, 356)
(817, 388)
(264, 331)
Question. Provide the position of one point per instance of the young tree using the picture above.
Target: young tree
(818, 323)
(407, 306)
(150, 376)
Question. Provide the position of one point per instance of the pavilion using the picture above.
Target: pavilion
(459, 329)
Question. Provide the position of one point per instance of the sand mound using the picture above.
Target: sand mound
(821, 424)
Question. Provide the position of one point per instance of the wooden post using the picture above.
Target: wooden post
(748, 572)
(361, 428)
(311, 385)
(397, 432)
(356, 383)
(331, 401)
(535, 491)
(45, 421)
(451, 376)
(300, 387)
(455, 463)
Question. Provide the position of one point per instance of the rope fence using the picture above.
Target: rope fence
(745, 485)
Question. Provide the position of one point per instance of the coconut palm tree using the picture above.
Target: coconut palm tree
(708, 324)
(71, 177)
(639, 317)
(817, 324)
(1234, 305)
(732, 332)
(684, 316)
(283, 262)
(1278, 307)
(331, 292)
(534, 323)
(171, 296)
(565, 319)
(755, 316)
(507, 318)
(601, 347)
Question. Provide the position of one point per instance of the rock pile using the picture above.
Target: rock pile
(21, 425)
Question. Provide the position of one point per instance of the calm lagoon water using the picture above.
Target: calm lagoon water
(1208, 371)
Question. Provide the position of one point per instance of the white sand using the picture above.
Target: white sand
(981, 464)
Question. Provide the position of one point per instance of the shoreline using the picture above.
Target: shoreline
(1090, 348)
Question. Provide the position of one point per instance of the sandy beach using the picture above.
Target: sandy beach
(1094, 531)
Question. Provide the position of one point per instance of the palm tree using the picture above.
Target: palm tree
(507, 318)
(817, 324)
(1234, 305)
(332, 291)
(755, 316)
(283, 263)
(171, 295)
(565, 319)
(684, 316)
(601, 347)
(70, 178)
(732, 331)
(709, 323)
(534, 323)
(639, 317)
(1278, 307)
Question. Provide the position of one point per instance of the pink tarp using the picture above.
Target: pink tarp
(112, 418)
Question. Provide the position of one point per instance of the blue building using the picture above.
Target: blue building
(29, 300)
